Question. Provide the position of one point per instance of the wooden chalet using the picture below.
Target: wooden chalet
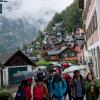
(58, 44)
(14, 62)
(65, 54)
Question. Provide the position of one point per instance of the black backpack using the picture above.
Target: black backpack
(20, 95)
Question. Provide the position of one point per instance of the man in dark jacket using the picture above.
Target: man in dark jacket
(78, 83)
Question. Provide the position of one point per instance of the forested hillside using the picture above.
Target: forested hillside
(71, 17)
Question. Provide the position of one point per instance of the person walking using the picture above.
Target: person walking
(40, 91)
(24, 91)
(78, 86)
(28, 91)
(92, 87)
(58, 87)
(68, 80)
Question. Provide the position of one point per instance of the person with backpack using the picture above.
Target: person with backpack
(78, 86)
(92, 87)
(40, 91)
(24, 91)
(58, 87)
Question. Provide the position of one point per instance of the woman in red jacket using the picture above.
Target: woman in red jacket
(28, 91)
(24, 91)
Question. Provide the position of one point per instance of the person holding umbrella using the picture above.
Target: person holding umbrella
(24, 91)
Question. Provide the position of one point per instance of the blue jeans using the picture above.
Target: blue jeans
(59, 98)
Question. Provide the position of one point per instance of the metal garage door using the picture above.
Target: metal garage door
(14, 70)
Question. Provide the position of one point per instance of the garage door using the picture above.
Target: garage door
(14, 70)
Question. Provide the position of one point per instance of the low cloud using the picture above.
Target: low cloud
(42, 10)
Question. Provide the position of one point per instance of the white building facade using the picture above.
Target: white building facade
(91, 18)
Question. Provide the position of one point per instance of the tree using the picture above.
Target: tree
(71, 16)
(56, 19)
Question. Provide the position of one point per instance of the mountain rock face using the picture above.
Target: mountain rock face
(15, 33)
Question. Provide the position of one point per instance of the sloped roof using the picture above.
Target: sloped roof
(57, 52)
(54, 52)
(4, 58)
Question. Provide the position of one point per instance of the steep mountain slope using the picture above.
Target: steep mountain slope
(15, 33)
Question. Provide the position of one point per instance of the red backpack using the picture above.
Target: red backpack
(38, 92)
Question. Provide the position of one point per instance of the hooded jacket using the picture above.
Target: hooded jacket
(58, 88)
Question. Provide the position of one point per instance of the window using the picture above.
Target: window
(93, 26)
(95, 21)
(88, 3)
(92, 29)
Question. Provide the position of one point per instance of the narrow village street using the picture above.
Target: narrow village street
(49, 49)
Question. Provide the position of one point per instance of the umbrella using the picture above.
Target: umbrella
(70, 64)
(56, 64)
(22, 75)
(65, 65)
(73, 68)
(41, 67)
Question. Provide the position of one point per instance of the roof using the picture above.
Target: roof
(57, 52)
(4, 58)
(54, 52)
(57, 42)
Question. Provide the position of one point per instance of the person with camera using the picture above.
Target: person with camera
(92, 88)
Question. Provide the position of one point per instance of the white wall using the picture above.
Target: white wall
(98, 16)
(29, 68)
(5, 73)
(5, 76)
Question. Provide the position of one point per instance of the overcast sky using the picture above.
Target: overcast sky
(34, 9)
